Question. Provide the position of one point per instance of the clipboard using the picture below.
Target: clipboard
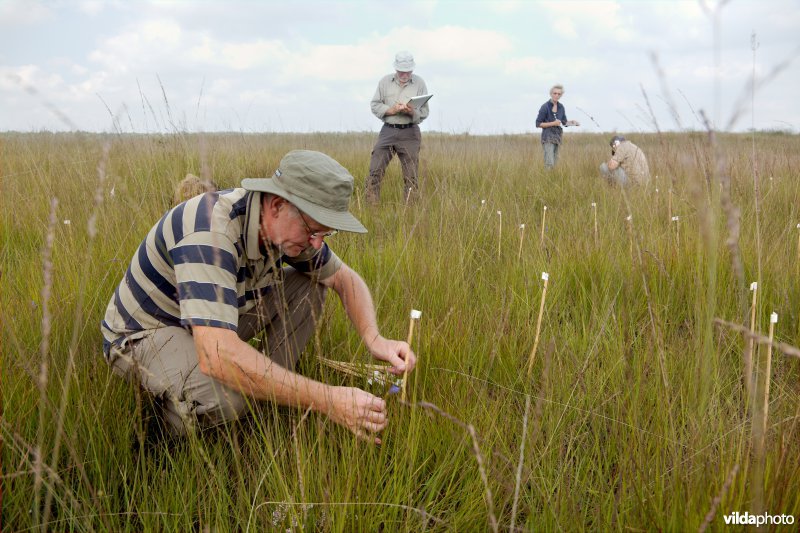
(419, 101)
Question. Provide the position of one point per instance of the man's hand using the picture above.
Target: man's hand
(398, 108)
(359, 411)
(573, 123)
(396, 353)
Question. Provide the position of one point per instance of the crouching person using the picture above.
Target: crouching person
(191, 186)
(627, 165)
(210, 275)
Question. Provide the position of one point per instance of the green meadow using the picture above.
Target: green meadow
(632, 413)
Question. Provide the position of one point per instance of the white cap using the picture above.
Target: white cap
(522, 226)
(594, 204)
(404, 61)
(545, 276)
(675, 219)
(773, 318)
(754, 286)
(416, 314)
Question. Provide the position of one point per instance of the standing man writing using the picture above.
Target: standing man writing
(210, 276)
(551, 117)
(627, 164)
(400, 132)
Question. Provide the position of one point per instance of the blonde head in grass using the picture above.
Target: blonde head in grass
(191, 186)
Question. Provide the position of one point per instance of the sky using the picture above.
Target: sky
(250, 66)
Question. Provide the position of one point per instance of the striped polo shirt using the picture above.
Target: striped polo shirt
(202, 265)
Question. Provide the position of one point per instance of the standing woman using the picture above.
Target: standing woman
(551, 117)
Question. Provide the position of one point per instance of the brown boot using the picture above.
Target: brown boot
(372, 196)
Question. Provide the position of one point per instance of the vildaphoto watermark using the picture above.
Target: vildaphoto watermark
(765, 519)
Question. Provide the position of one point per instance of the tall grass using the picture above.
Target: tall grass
(640, 418)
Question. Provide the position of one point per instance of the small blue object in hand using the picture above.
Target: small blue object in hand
(394, 389)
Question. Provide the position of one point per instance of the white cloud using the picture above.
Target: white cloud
(97, 82)
(505, 7)
(336, 62)
(91, 7)
(30, 77)
(562, 68)
(595, 20)
(265, 96)
(150, 43)
(566, 28)
(247, 56)
(737, 73)
(466, 46)
(23, 12)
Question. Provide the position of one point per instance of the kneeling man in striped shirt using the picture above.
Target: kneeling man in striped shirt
(224, 266)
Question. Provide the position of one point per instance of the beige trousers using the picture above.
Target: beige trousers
(164, 360)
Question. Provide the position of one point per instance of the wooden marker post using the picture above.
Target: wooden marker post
(521, 236)
(545, 278)
(748, 360)
(594, 209)
(499, 232)
(773, 319)
(544, 217)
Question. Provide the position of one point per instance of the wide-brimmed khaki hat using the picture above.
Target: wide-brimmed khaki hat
(316, 184)
(404, 62)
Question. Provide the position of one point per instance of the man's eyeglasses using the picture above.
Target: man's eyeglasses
(315, 234)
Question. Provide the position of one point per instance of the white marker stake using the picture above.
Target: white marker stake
(594, 208)
(521, 236)
(544, 216)
(499, 232)
(669, 205)
(798, 248)
(773, 319)
(676, 220)
(629, 220)
(415, 315)
(545, 278)
(748, 361)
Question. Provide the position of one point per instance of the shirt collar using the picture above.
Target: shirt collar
(410, 80)
(252, 226)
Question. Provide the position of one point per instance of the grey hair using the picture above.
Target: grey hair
(557, 86)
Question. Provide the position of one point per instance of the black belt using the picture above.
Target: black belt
(399, 126)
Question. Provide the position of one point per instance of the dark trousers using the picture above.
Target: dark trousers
(405, 143)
